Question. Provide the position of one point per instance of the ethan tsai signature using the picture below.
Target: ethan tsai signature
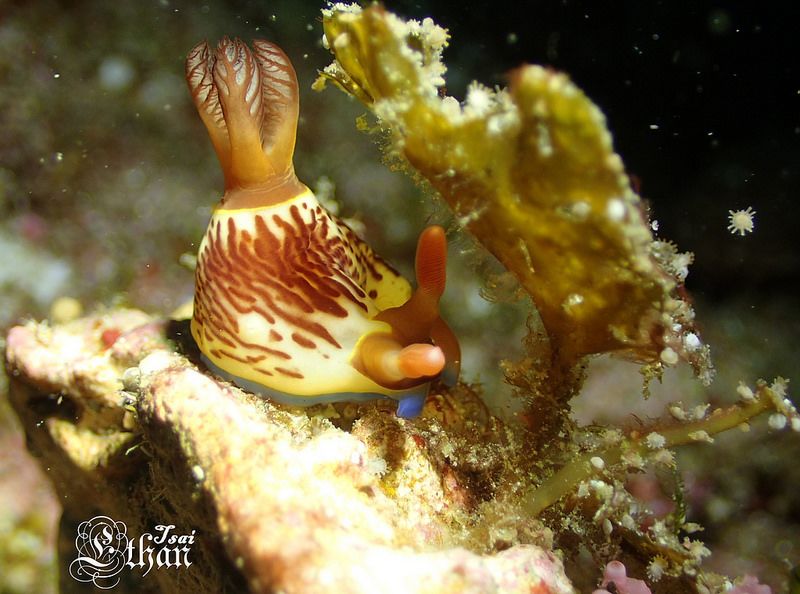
(104, 551)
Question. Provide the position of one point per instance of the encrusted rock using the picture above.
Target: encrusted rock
(344, 499)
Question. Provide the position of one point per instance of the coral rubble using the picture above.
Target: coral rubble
(281, 500)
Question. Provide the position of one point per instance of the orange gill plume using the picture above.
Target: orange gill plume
(249, 103)
(289, 302)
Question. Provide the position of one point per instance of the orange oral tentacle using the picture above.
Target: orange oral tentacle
(415, 323)
(420, 360)
(412, 321)
(389, 363)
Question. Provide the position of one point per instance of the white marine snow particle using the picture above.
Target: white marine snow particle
(745, 391)
(583, 490)
(604, 491)
(598, 462)
(691, 342)
(628, 522)
(676, 410)
(701, 436)
(664, 457)
(198, 473)
(655, 441)
(615, 210)
(741, 221)
(699, 411)
(668, 356)
(692, 527)
(777, 421)
(479, 100)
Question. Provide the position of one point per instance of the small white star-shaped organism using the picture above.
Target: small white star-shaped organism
(741, 221)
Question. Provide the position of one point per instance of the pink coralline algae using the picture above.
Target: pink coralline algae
(615, 574)
(750, 585)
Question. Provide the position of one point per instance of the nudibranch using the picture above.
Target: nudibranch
(289, 302)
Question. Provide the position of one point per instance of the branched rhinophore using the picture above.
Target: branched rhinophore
(532, 172)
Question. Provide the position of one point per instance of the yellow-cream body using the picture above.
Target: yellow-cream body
(222, 317)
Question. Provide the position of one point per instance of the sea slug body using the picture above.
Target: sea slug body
(289, 301)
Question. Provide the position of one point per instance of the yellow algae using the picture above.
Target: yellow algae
(532, 173)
